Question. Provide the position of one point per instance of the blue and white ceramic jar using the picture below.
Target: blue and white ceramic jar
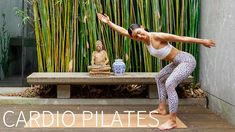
(119, 67)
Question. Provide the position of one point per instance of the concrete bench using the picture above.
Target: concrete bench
(63, 80)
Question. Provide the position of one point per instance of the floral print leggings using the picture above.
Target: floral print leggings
(171, 75)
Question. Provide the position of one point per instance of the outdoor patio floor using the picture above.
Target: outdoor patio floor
(197, 118)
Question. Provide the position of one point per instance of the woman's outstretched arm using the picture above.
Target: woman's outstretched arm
(119, 29)
(174, 38)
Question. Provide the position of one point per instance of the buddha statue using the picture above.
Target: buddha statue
(100, 61)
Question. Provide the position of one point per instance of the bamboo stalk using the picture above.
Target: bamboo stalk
(66, 31)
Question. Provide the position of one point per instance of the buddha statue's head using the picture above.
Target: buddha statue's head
(99, 45)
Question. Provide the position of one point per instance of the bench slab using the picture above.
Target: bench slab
(85, 78)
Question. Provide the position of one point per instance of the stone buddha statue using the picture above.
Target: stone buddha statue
(100, 61)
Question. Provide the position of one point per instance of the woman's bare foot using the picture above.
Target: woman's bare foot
(170, 124)
(159, 111)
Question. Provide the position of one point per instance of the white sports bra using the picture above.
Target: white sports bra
(160, 53)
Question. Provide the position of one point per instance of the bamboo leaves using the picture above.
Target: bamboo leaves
(66, 31)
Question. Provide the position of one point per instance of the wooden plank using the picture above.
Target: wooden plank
(205, 125)
(201, 117)
(193, 109)
(205, 122)
(199, 130)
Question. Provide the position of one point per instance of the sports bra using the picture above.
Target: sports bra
(160, 53)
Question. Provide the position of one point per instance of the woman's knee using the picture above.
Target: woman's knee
(159, 78)
(193, 62)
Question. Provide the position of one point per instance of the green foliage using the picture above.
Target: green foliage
(24, 15)
(66, 30)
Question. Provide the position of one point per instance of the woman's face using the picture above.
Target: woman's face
(140, 34)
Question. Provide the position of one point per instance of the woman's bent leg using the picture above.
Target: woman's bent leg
(180, 73)
(160, 81)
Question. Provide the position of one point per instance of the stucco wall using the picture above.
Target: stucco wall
(217, 65)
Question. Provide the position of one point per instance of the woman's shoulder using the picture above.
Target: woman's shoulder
(161, 36)
(157, 36)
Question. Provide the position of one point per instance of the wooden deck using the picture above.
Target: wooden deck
(197, 118)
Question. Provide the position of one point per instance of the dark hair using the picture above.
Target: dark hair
(133, 27)
(146, 29)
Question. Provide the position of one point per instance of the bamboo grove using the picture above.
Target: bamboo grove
(66, 31)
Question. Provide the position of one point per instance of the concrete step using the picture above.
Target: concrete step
(11, 100)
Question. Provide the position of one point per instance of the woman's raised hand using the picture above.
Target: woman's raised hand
(104, 18)
(209, 43)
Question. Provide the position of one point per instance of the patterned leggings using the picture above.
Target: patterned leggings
(171, 75)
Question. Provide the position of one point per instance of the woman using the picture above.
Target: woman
(181, 66)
